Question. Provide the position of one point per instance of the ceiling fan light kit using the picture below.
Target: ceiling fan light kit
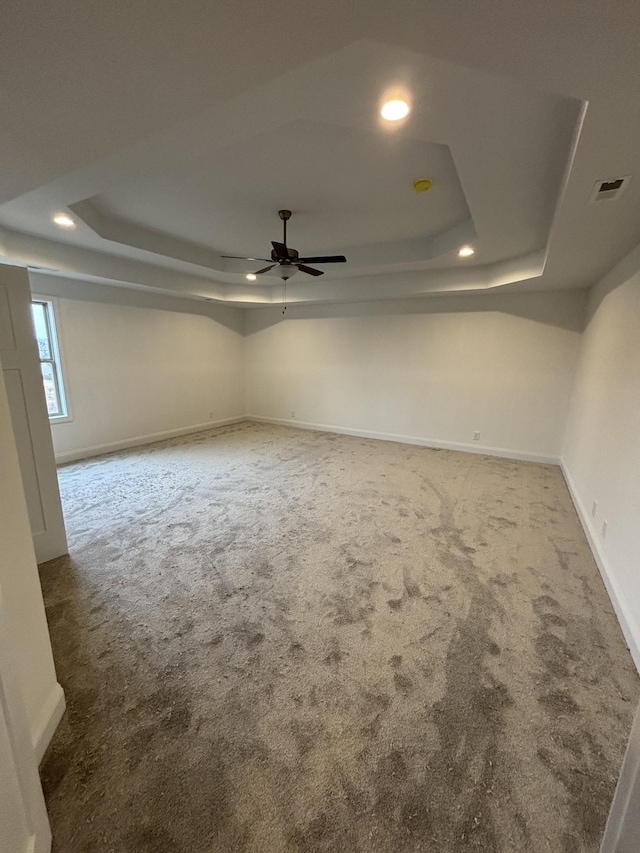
(287, 261)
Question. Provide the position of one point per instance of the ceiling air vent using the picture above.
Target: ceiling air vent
(610, 190)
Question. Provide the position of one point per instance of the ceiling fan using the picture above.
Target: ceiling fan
(287, 260)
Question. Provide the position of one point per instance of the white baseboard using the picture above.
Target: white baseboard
(137, 441)
(627, 622)
(47, 722)
(412, 439)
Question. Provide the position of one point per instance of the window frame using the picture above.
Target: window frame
(56, 359)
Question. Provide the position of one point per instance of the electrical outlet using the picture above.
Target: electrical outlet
(476, 436)
(293, 414)
(594, 509)
(604, 529)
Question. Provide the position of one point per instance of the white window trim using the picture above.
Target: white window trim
(59, 358)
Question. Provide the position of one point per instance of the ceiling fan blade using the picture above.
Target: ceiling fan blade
(241, 258)
(325, 259)
(266, 269)
(281, 250)
(309, 270)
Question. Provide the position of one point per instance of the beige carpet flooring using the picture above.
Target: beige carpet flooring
(274, 640)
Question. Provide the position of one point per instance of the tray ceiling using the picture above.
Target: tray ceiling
(160, 194)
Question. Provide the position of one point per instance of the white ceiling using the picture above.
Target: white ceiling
(174, 136)
(340, 182)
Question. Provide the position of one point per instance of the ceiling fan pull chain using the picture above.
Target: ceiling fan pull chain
(284, 294)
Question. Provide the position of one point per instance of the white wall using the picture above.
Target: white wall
(135, 371)
(602, 445)
(436, 369)
(623, 825)
(23, 605)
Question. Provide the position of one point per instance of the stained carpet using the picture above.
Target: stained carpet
(274, 640)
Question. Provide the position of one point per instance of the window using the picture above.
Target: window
(45, 328)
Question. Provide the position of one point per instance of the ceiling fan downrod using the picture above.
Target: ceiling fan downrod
(285, 215)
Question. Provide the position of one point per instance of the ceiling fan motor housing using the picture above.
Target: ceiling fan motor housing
(293, 255)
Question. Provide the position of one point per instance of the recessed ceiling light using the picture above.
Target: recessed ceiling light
(64, 221)
(251, 276)
(466, 252)
(395, 110)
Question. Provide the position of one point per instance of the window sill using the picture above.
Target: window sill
(60, 419)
